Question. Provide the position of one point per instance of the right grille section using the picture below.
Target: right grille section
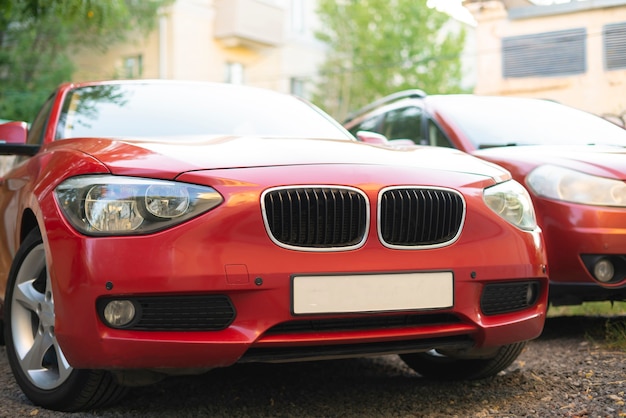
(420, 216)
(316, 217)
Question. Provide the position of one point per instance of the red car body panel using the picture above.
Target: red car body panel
(227, 250)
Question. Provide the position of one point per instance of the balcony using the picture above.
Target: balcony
(249, 23)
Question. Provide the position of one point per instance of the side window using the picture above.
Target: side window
(437, 137)
(405, 123)
(38, 127)
(372, 124)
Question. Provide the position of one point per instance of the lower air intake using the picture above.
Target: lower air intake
(499, 298)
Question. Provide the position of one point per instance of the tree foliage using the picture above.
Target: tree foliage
(37, 38)
(377, 47)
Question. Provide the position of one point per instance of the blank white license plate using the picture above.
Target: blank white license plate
(372, 292)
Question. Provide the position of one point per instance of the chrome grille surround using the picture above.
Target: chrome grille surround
(414, 217)
(316, 217)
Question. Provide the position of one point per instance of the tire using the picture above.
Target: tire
(433, 365)
(34, 354)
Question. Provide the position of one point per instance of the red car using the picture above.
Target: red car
(155, 228)
(573, 164)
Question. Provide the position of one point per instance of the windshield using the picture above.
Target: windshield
(163, 109)
(502, 121)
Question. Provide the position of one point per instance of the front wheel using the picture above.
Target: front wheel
(447, 366)
(36, 359)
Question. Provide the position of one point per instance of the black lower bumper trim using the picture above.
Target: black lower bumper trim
(575, 294)
(322, 352)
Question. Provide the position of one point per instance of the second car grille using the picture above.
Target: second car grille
(316, 217)
(412, 217)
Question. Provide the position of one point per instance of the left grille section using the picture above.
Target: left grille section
(179, 313)
(317, 217)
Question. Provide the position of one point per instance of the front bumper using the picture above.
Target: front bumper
(256, 276)
(575, 233)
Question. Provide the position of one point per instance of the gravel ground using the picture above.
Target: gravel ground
(564, 373)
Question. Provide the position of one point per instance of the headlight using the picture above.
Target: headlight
(511, 201)
(111, 205)
(573, 186)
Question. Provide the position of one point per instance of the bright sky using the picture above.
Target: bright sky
(454, 8)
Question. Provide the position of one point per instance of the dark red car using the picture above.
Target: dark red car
(153, 228)
(573, 164)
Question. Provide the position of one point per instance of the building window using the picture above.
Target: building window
(297, 16)
(234, 73)
(546, 54)
(133, 66)
(297, 87)
(614, 37)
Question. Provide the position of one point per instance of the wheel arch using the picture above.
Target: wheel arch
(29, 222)
(2, 339)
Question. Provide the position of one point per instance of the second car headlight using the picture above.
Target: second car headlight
(112, 205)
(574, 186)
(512, 202)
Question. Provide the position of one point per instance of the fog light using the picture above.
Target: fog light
(531, 294)
(604, 270)
(119, 313)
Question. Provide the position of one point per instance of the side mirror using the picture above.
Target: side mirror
(372, 138)
(13, 133)
(13, 137)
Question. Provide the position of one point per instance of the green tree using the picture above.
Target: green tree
(37, 38)
(377, 47)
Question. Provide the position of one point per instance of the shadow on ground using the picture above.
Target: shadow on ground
(593, 327)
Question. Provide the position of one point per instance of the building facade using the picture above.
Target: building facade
(573, 52)
(264, 43)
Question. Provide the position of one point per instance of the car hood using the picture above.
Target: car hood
(169, 158)
(600, 160)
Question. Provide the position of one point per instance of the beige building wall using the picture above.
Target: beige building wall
(596, 90)
(294, 66)
(264, 43)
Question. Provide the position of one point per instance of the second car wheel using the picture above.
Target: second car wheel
(35, 356)
(435, 365)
